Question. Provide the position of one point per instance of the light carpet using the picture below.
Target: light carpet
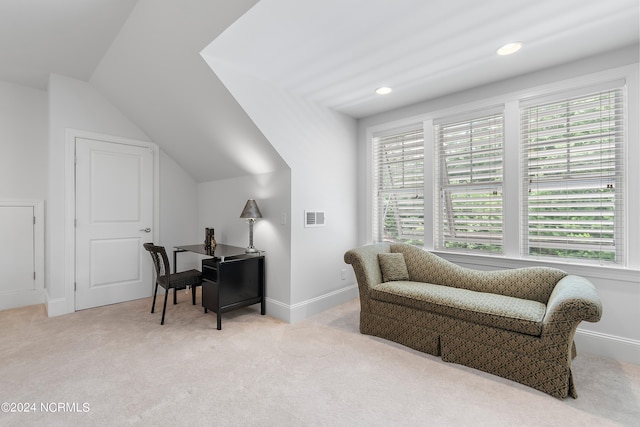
(117, 366)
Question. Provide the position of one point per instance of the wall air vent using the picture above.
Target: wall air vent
(314, 218)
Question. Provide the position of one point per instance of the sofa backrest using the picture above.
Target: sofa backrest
(531, 283)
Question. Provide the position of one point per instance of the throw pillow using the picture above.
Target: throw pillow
(393, 267)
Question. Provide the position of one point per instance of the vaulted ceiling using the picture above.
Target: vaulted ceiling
(67, 37)
(337, 52)
(154, 73)
(144, 56)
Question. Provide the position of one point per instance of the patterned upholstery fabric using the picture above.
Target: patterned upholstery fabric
(512, 314)
(533, 283)
(393, 267)
(529, 341)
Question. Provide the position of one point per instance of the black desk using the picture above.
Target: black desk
(231, 278)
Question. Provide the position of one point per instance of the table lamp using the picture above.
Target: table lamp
(251, 212)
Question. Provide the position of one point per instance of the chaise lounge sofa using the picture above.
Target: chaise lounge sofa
(518, 324)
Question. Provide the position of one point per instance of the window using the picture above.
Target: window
(398, 176)
(469, 182)
(572, 167)
(537, 177)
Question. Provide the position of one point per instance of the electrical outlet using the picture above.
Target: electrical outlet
(343, 274)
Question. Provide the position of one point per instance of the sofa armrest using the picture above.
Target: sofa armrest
(573, 300)
(364, 261)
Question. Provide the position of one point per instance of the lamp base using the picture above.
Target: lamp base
(251, 250)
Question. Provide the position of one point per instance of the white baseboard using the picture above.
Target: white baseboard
(21, 298)
(617, 348)
(278, 309)
(302, 310)
(56, 307)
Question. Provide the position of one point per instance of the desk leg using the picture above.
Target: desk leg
(175, 270)
(219, 319)
(263, 300)
(175, 261)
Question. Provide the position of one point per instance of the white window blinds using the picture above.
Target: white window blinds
(398, 177)
(572, 153)
(469, 214)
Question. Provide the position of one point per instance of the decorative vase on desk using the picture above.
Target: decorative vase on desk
(209, 240)
(212, 241)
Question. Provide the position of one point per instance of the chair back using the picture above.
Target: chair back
(160, 262)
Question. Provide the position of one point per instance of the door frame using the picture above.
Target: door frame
(70, 201)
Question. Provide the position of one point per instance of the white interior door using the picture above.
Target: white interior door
(17, 262)
(114, 216)
(16, 251)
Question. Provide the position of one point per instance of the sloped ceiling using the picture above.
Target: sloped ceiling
(154, 73)
(337, 52)
(67, 37)
(144, 56)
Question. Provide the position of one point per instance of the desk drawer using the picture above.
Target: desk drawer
(210, 269)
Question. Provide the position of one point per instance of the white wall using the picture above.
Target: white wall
(75, 104)
(178, 207)
(23, 142)
(219, 206)
(617, 335)
(23, 173)
(319, 145)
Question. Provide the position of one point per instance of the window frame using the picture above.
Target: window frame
(620, 143)
(376, 227)
(444, 209)
(427, 112)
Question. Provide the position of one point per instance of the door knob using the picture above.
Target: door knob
(146, 230)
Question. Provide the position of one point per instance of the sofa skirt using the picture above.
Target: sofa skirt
(541, 364)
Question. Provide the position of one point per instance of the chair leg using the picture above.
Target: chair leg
(153, 306)
(164, 307)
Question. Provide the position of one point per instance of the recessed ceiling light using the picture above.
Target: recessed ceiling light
(383, 90)
(509, 48)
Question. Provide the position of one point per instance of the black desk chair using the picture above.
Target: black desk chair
(167, 280)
